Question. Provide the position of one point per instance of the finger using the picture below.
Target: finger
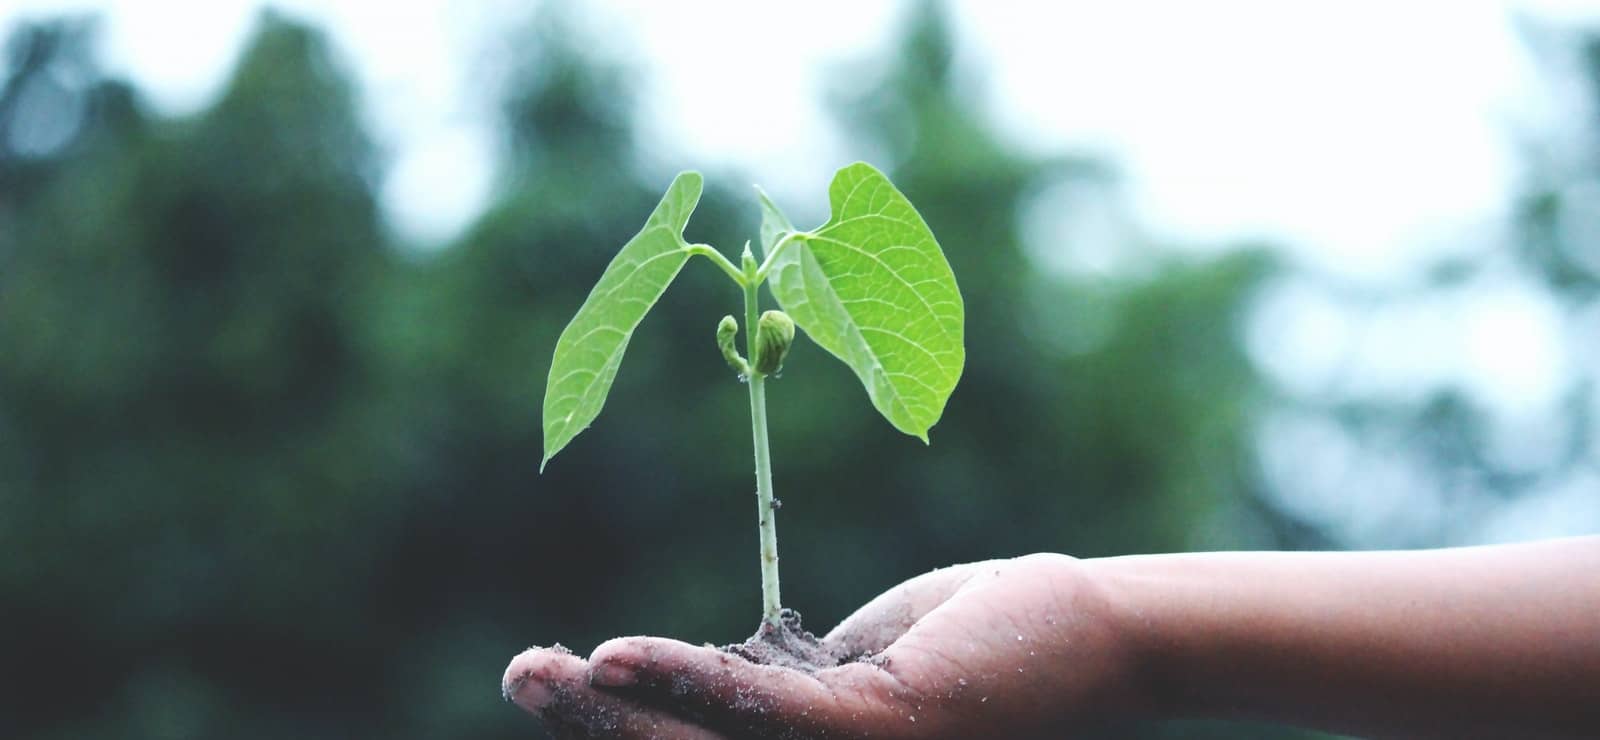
(728, 693)
(553, 684)
(880, 622)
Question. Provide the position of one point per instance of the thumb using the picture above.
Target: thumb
(883, 620)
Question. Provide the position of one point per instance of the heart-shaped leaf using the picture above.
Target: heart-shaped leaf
(872, 287)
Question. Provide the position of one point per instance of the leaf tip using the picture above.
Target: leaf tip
(691, 179)
(859, 164)
(767, 205)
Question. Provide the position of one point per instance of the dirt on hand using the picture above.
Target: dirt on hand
(788, 645)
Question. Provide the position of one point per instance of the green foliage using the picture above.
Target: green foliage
(590, 348)
(872, 287)
(880, 297)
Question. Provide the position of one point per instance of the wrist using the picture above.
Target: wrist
(1140, 623)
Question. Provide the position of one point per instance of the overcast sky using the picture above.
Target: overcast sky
(1368, 135)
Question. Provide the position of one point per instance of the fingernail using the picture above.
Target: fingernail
(613, 675)
(529, 693)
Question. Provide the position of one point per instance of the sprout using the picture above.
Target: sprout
(774, 334)
(870, 286)
(727, 329)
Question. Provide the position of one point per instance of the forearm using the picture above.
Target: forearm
(1472, 642)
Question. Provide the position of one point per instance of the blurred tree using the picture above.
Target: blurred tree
(1447, 464)
(264, 475)
(192, 457)
(54, 104)
(1557, 213)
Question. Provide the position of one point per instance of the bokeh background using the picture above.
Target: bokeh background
(279, 288)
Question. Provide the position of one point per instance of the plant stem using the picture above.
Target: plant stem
(772, 254)
(767, 513)
(706, 250)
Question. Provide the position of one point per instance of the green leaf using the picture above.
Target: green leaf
(872, 287)
(590, 348)
(773, 223)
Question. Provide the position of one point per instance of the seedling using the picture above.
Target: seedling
(870, 286)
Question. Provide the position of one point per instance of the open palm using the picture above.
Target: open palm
(1014, 647)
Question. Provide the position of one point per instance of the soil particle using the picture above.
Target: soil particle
(788, 645)
(575, 712)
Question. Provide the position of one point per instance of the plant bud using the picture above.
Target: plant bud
(774, 334)
(727, 330)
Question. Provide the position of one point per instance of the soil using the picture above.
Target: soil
(788, 645)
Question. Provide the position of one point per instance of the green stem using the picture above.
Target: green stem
(767, 513)
(772, 256)
(706, 250)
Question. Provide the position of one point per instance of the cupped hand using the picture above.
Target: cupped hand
(1002, 648)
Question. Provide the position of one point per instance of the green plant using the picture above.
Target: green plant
(870, 286)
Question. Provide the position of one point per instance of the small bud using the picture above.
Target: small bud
(774, 334)
(727, 330)
(747, 259)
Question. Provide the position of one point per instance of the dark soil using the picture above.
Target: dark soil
(788, 646)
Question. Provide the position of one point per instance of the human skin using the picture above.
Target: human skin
(1500, 641)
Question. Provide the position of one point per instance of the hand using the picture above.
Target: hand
(1002, 648)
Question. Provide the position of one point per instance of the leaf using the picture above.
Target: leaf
(872, 287)
(590, 348)
(773, 223)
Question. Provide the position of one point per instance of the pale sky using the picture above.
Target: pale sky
(1368, 139)
(1366, 135)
